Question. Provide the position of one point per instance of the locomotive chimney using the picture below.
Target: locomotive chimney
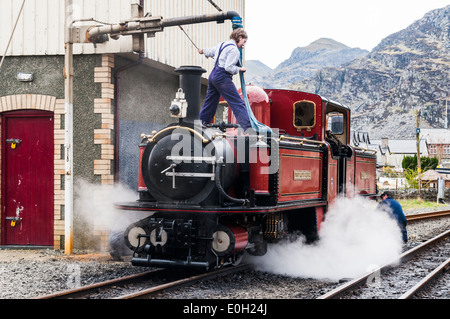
(190, 82)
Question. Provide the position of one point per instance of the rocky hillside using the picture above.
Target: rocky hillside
(303, 63)
(408, 71)
(256, 68)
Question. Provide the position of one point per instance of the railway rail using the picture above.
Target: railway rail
(142, 280)
(343, 290)
(445, 266)
(423, 216)
(147, 293)
(85, 291)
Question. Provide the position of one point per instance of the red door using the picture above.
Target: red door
(27, 178)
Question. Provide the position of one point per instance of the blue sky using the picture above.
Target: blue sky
(276, 28)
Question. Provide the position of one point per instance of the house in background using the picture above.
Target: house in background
(430, 179)
(390, 153)
(438, 145)
(118, 95)
(394, 151)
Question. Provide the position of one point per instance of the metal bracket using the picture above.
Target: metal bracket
(14, 142)
(16, 219)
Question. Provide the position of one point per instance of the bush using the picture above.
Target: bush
(411, 177)
(426, 163)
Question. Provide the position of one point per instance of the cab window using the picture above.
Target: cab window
(304, 114)
(335, 123)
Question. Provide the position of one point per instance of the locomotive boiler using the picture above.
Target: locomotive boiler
(216, 191)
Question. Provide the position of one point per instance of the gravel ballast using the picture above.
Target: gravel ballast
(32, 273)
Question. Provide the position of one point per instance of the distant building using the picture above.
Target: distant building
(438, 145)
(390, 153)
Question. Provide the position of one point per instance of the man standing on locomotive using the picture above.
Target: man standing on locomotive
(220, 83)
(392, 207)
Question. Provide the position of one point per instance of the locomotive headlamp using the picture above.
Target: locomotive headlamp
(174, 109)
(179, 105)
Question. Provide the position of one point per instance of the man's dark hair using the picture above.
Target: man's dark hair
(387, 193)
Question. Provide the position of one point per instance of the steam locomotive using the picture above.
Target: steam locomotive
(217, 192)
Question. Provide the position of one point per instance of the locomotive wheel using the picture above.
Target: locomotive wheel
(259, 250)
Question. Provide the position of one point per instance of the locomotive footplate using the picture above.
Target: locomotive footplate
(158, 207)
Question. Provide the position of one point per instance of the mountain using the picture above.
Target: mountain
(407, 72)
(257, 68)
(303, 63)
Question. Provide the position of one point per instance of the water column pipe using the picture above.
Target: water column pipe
(256, 125)
(150, 25)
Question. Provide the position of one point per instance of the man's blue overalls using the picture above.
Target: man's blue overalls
(221, 84)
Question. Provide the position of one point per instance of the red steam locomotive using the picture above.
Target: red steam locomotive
(217, 192)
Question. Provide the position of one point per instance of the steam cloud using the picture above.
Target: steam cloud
(354, 237)
(94, 204)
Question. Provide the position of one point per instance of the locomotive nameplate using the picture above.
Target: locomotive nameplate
(302, 175)
(365, 175)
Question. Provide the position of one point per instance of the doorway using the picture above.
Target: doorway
(27, 178)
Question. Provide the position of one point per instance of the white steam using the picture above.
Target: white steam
(94, 205)
(354, 237)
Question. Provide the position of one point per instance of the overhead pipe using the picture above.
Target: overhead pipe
(157, 24)
(219, 17)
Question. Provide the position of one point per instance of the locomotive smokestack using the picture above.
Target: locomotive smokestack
(190, 82)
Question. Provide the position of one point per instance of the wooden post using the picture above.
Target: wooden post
(419, 169)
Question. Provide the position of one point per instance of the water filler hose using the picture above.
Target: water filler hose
(256, 125)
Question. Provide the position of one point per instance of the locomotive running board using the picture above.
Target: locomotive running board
(140, 206)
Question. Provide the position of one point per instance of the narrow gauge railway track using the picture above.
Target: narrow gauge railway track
(92, 289)
(365, 281)
(147, 293)
(140, 285)
(120, 285)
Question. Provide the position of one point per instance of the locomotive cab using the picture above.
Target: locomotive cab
(337, 129)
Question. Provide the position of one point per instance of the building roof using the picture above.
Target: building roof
(436, 136)
(432, 175)
(404, 146)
